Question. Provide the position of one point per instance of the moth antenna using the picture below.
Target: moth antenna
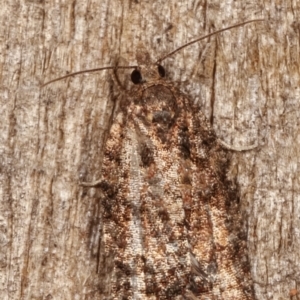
(88, 71)
(206, 36)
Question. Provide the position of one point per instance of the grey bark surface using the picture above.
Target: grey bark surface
(246, 80)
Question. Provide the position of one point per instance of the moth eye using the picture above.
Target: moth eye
(136, 77)
(161, 71)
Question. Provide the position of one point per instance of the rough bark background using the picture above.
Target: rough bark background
(246, 80)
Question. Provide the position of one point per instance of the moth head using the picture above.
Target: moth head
(147, 73)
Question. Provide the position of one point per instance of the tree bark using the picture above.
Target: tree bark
(246, 81)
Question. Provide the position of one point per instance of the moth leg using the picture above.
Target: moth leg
(117, 78)
(239, 149)
(91, 184)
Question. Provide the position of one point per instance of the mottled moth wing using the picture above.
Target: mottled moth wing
(168, 212)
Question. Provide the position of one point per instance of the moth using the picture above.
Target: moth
(169, 215)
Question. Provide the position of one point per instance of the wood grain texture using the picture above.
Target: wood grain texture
(50, 138)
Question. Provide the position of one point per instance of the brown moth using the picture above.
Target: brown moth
(170, 221)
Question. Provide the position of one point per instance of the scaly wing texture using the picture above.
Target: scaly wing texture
(169, 214)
